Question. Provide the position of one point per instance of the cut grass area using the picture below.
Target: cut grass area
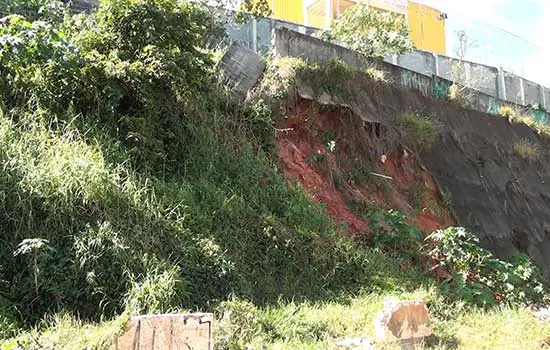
(64, 331)
(499, 328)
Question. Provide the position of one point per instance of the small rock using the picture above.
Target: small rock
(405, 322)
(541, 313)
(355, 344)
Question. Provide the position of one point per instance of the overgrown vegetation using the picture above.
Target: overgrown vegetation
(132, 184)
(480, 277)
(371, 32)
(418, 131)
(515, 114)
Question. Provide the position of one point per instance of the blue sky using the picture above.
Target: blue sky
(508, 33)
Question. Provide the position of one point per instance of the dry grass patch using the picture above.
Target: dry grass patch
(526, 149)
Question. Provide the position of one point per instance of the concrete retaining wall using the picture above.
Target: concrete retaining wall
(479, 77)
(486, 79)
(418, 61)
(313, 50)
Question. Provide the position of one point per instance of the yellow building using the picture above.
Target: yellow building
(426, 24)
(427, 27)
(288, 10)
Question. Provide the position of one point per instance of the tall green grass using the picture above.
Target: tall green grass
(130, 181)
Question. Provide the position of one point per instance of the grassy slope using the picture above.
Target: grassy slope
(142, 218)
(309, 325)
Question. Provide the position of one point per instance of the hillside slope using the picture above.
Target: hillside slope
(132, 183)
(492, 169)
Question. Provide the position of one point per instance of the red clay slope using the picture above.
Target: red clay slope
(305, 155)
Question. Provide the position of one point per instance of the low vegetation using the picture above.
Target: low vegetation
(418, 131)
(131, 183)
(519, 116)
(480, 277)
(526, 149)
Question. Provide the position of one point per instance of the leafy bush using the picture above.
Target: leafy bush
(391, 231)
(480, 277)
(371, 32)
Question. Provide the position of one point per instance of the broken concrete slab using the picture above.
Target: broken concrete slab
(173, 331)
(241, 69)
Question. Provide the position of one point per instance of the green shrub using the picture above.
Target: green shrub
(480, 277)
(419, 131)
(392, 232)
(131, 181)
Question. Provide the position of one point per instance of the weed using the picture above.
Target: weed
(339, 182)
(363, 206)
(392, 232)
(526, 149)
(480, 277)
(316, 158)
(507, 112)
(376, 74)
(517, 115)
(420, 132)
(455, 95)
(360, 173)
(447, 200)
(383, 186)
(417, 190)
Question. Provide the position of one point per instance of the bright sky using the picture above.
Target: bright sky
(520, 45)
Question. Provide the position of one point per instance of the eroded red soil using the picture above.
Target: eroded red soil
(319, 148)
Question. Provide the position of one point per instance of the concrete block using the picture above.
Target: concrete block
(157, 332)
(241, 69)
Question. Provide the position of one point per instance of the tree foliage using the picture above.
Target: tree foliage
(372, 32)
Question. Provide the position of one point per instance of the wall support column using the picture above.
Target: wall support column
(501, 84)
(436, 64)
(542, 97)
(522, 91)
(254, 32)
